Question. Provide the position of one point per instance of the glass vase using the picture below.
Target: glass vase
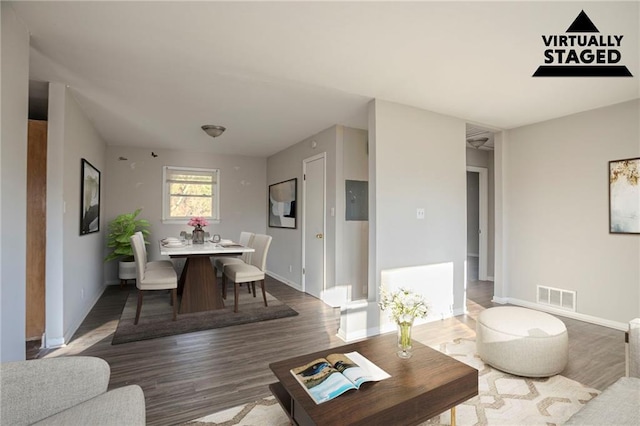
(404, 338)
(198, 235)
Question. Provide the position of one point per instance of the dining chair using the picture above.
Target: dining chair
(246, 239)
(160, 278)
(253, 271)
(154, 263)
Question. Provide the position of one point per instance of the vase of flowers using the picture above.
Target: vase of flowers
(404, 307)
(198, 233)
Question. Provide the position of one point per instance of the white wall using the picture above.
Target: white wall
(137, 183)
(54, 293)
(75, 274)
(13, 181)
(82, 258)
(420, 163)
(352, 242)
(416, 160)
(286, 247)
(556, 225)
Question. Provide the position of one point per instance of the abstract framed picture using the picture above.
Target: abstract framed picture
(624, 196)
(90, 201)
(282, 204)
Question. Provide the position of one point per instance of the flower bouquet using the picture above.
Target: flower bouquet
(404, 306)
(198, 233)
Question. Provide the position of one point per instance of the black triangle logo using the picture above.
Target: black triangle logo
(582, 24)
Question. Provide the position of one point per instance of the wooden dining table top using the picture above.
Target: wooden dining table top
(208, 248)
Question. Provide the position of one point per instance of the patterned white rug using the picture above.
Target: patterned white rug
(503, 399)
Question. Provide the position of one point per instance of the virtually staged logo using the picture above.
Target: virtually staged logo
(582, 52)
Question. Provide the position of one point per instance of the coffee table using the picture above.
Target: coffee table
(427, 384)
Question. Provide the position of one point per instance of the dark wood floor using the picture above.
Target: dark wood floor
(187, 376)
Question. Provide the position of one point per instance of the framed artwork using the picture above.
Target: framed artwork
(282, 204)
(624, 196)
(90, 202)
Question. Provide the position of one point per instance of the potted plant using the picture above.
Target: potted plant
(120, 231)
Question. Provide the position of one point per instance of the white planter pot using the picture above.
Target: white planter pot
(127, 270)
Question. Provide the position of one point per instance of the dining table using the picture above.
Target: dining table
(198, 283)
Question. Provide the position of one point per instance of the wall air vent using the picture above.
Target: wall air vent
(557, 297)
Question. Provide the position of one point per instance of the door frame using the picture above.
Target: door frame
(322, 156)
(483, 219)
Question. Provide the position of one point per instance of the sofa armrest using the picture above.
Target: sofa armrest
(33, 390)
(617, 405)
(122, 406)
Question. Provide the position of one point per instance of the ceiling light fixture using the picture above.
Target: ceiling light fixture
(213, 130)
(477, 142)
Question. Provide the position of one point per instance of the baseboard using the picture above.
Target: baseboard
(358, 335)
(569, 314)
(74, 327)
(54, 343)
(490, 278)
(387, 327)
(456, 312)
(284, 280)
(500, 300)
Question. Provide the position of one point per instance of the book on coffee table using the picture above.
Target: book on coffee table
(331, 376)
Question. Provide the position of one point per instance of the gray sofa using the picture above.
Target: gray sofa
(619, 404)
(66, 391)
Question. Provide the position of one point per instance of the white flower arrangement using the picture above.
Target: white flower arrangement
(403, 305)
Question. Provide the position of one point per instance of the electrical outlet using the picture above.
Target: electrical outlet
(420, 213)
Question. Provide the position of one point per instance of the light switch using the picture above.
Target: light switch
(333, 211)
(420, 214)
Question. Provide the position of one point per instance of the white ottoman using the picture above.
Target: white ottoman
(522, 341)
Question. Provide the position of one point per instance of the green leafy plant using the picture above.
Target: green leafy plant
(120, 231)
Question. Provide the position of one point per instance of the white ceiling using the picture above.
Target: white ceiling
(149, 74)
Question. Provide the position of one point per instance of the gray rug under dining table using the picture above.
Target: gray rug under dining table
(155, 318)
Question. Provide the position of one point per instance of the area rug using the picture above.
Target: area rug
(155, 317)
(502, 399)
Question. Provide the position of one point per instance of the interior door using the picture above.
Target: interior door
(36, 243)
(313, 268)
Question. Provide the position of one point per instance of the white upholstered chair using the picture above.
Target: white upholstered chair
(154, 263)
(160, 278)
(252, 272)
(246, 239)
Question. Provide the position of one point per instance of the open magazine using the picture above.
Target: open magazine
(329, 377)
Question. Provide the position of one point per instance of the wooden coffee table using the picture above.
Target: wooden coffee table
(427, 384)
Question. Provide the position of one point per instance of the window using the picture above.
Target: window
(189, 192)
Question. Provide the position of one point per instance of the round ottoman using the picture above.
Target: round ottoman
(522, 341)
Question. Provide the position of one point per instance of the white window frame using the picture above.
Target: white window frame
(165, 195)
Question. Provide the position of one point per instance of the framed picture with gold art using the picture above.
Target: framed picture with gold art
(624, 196)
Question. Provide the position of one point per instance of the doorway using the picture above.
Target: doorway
(477, 222)
(36, 243)
(35, 258)
(313, 228)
